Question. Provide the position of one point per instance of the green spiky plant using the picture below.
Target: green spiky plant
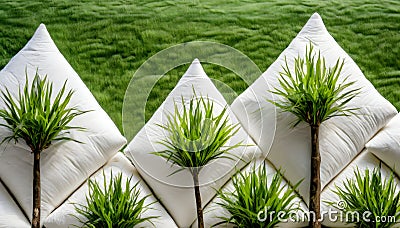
(112, 205)
(252, 195)
(40, 121)
(314, 94)
(196, 136)
(369, 193)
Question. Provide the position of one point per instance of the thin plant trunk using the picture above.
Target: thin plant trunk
(315, 185)
(200, 220)
(36, 190)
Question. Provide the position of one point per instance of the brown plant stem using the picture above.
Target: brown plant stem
(315, 184)
(36, 190)
(200, 220)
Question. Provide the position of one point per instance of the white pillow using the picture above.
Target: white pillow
(341, 138)
(10, 215)
(176, 191)
(64, 215)
(213, 211)
(386, 144)
(365, 160)
(64, 165)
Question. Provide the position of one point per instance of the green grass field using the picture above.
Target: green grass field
(107, 41)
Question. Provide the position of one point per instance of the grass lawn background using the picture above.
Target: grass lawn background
(107, 41)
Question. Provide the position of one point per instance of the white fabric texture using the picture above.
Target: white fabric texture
(64, 165)
(365, 160)
(341, 138)
(386, 144)
(10, 215)
(176, 191)
(213, 211)
(62, 216)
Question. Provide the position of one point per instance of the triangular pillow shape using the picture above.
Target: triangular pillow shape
(386, 144)
(11, 216)
(64, 165)
(341, 138)
(365, 160)
(66, 216)
(214, 212)
(176, 191)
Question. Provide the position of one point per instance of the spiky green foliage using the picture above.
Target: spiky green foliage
(372, 194)
(35, 117)
(313, 92)
(39, 120)
(116, 37)
(111, 205)
(252, 194)
(196, 136)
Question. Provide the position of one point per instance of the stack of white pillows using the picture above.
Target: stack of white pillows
(364, 141)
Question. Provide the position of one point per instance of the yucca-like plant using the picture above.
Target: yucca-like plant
(371, 197)
(314, 94)
(196, 136)
(112, 205)
(38, 120)
(254, 202)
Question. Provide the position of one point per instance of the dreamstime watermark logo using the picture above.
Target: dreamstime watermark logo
(146, 78)
(337, 213)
